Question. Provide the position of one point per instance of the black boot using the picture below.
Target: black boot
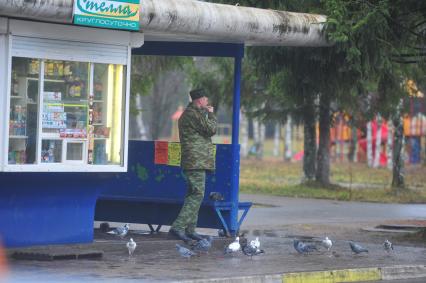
(179, 235)
(195, 236)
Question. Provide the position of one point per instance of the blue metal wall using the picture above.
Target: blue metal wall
(153, 194)
(47, 208)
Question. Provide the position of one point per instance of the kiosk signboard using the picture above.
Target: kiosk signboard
(114, 14)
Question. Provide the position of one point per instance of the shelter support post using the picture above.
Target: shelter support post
(234, 223)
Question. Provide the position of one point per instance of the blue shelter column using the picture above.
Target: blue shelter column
(235, 143)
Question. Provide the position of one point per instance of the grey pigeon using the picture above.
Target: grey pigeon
(131, 246)
(233, 247)
(120, 231)
(203, 245)
(252, 250)
(356, 248)
(303, 248)
(184, 252)
(388, 245)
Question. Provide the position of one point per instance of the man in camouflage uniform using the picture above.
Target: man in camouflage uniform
(196, 127)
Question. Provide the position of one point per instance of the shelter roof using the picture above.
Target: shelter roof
(195, 21)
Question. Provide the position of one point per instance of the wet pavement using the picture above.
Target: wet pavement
(156, 258)
(274, 211)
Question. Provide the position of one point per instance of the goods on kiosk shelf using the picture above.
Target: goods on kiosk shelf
(17, 157)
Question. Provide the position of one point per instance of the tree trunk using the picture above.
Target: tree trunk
(323, 155)
(398, 159)
(369, 145)
(389, 146)
(244, 134)
(262, 129)
(255, 131)
(155, 126)
(276, 151)
(338, 138)
(353, 151)
(309, 142)
(136, 125)
(376, 161)
(287, 143)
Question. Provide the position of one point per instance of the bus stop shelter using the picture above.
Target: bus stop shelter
(50, 200)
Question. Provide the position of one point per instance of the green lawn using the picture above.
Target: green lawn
(351, 182)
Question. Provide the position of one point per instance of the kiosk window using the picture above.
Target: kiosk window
(107, 112)
(71, 112)
(23, 111)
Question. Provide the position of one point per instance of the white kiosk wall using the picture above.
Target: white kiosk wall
(3, 85)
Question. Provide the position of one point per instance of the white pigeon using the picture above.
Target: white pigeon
(234, 246)
(255, 243)
(131, 246)
(327, 243)
(120, 231)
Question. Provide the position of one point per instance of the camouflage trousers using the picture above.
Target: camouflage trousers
(188, 215)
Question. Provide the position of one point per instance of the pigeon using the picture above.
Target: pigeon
(120, 231)
(252, 249)
(303, 248)
(234, 246)
(327, 243)
(131, 246)
(388, 245)
(255, 243)
(184, 252)
(356, 248)
(203, 245)
(216, 196)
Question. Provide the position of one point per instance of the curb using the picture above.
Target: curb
(329, 276)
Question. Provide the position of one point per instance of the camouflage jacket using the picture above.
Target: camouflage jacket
(196, 127)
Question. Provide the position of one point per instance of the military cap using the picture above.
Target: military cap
(197, 93)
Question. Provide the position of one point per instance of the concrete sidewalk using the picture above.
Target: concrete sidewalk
(156, 258)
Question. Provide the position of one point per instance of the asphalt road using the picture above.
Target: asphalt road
(274, 211)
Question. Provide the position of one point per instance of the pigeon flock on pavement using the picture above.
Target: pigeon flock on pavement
(306, 248)
(252, 248)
